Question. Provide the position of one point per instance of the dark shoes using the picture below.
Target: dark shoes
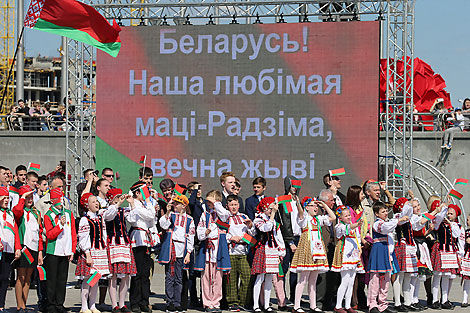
(374, 310)
(447, 306)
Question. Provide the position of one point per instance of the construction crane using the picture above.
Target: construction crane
(7, 36)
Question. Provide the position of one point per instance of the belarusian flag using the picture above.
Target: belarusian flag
(27, 255)
(42, 273)
(337, 172)
(222, 225)
(428, 216)
(249, 239)
(461, 181)
(397, 173)
(161, 197)
(454, 193)
(9, 227)
(142, 160)
(144, 190)
(178, 190)
(76, 21)
(93, 279)
(296, 183)
(286, 200)
(34, 166)
(12, 189)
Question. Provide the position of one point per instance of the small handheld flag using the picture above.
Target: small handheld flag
(178, 190)
(222, 225)
(281, 271)
(337, 172)
(296, 183)
(27, 255)
(160, 197)
(94, 279)
(397, 173)
(142, 160)
(247, 238)
(34, 167)
(286, 201)
(42, 273)
(454, 193)
(461, 181)
(144, 190)
(428, 216)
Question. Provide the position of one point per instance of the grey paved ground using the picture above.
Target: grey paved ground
(158, 287)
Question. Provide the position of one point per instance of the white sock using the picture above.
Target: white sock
(407, 288)
(268, 285)
(436, 282)
(397, 289)
(415, 289)
(466, 290)
(445, 288)
(257, 290)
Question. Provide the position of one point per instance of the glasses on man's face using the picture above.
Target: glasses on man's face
(335, 178)
(109, 175)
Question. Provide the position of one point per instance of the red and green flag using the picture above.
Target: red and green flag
(42, 273)
(76, 21)
(249, 239)
(337, 172)
(281, 271)
(94, 279)
(454, 193)
(27, 255)
(461, 181)
(429, 216)
(296, 183)
(9, 226)
(142, 160)
(397, 173)
(34, 167)
(12, 189)
(222, 225)
(178, 190)
(286, 201)
(144, 190)
(161, 197)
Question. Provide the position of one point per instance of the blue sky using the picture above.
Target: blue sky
(441, 39)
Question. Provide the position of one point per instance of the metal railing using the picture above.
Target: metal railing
(39, 123)
(426, 122)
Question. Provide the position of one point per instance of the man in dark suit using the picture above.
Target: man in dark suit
(259, 187)
(227, 181)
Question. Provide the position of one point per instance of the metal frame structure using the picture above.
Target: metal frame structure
(398, 15)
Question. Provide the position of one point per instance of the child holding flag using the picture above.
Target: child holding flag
(29, 223)
(310, 256)
(93, 261)
(347, 258)
(444, 255)
(177, 246)
(10, 246)
(269, 252)
(465, 264)
(121, 260)
(213, 258)
(240, 238)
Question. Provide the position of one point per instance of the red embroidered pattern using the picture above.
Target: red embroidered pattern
(34, 11)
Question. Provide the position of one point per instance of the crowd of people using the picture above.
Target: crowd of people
(335, 245)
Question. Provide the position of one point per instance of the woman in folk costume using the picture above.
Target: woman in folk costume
(29, 223)
(121, 259)
(444, 255)
(347, 259)
(94, 258)
(465, 263)
(10, 246)
(269, 252)
(310, 256)
(213, 258)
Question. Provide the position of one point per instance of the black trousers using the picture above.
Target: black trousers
(139, 293)
(328, 283)
(285, 268)
(57, 269)
(5, 269)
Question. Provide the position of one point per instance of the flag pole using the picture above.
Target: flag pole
(5, 88)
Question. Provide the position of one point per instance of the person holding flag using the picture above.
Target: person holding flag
(310, 256)
(59, 223)
(142, 220)
(30, 228)
(92, 241)
(240, 238)
(10, 246)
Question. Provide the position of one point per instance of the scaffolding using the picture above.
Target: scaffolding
(396, 44)
(7, 43)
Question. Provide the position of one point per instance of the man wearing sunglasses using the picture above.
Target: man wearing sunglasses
(108, 174)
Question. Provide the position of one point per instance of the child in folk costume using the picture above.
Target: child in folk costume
(347, 259)
(310, 256)
(121, 260)
(59, 223)
(10, 247)
(240, 225)
(213, 258)
(382, 257)
(29, 223)
(423, 254)
(94, 258)
(270, 251)
(177, 246)
(465, 264)
(444, 255)
(142, 220)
